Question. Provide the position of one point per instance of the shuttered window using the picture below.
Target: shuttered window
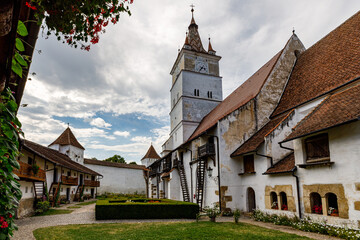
(249, 164)
(317, 147)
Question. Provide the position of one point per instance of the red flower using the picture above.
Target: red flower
(113, 20)
(94, 40)
(2, 219)
(10, 216)
(29, 6)
(106, 23)
(87, 48)
(4, 224)
(112, 9)
(72, 31)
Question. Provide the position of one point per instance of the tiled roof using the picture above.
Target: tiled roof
(55, 157)
(337, 109)
(243, 94)
(285, 165)
(257, 139)
(151, 153)
(330, 63)
(193, 38)
(113, 164)
(67, 138)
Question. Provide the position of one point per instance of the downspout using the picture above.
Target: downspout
(297, 190)
(297, 180)
(191, 172)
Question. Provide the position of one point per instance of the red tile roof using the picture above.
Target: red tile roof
(254, 142)
(151, 153)
(67, 138)
(242, 95)
(337, 109)
(113, 164)
(56, 157)
(330, 63)
(285, 165)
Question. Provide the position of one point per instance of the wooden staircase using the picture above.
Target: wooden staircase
(39, 189)
(78, 192)
(200, 182)
(54, 194)
(184, 185)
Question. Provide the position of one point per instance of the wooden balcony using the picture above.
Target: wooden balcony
(206, 150)
(92, 183)
(26, 172)
(66, 180)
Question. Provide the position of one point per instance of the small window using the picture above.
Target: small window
(31, 190)
(315, 202)
(61, 190)
(333, 209)
(274, 202)
(26, 189)
(209, 93)
(69, 173)
(196, 92)
(317, 148)
(74, 174)
(283, 203)
(249, 164)
(87, 190)
(30, 161)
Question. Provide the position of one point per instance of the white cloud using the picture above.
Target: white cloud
(122, 133)
(99, 122)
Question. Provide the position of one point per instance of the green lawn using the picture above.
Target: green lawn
(54, 212)
(174, 231)
(86, 203)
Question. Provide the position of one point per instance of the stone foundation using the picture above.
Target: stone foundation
(26, 207)
(278, 189)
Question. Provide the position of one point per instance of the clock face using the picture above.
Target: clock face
(201, 66)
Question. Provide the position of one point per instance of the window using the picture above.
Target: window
(30, 161)
(209, 93)
(69, 173)
(26, 189)
(332, 204)
(274, 202)
(315, 202)
(61, 190)
(87, 190)
(317, 148)
(196, 92)
(249, 164)
(31, 190)
(283, 201)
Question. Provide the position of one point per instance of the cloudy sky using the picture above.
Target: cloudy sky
(116, 97)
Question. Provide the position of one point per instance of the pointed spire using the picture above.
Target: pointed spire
(210, 49)
(193, 37)
(151, 153)
(67, 138)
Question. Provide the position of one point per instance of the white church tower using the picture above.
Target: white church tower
(196, 87)
(67, 144)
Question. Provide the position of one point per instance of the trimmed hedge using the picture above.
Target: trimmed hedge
(118, 209)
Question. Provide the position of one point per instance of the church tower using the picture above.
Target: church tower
(196, 86)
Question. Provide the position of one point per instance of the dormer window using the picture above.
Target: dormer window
(317, 148)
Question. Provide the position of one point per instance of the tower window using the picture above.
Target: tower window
(196, 92)
(209, 93)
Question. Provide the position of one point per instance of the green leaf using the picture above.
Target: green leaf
(13, 106)
(21, 29)
(19, 45)
(20, 59)
(15, 66)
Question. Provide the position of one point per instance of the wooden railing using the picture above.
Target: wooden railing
(92, 183)
(66, 180)
(206, 150)
(27, 172)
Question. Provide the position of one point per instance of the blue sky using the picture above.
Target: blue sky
(116, 97)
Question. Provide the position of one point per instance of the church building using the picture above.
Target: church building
(286, 141)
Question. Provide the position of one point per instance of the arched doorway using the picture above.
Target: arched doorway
(251, 202)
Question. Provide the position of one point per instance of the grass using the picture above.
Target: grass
(74, 207)
(169, 230)
(86, 203)
(55, 212)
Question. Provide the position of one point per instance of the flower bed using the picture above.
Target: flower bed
(307, 225)
(144, 209)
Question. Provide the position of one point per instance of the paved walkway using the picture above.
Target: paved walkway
(86, 215)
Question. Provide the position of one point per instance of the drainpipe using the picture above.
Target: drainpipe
(218, 166)
(297, 180)
(191, 177)
(297, 189)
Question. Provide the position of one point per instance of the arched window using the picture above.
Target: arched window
(273, 199)
(315, 202)
(283, 201)
(332, 203)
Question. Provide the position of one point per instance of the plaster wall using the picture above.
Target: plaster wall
(119, 180)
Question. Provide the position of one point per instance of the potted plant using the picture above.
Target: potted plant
(212, 212)
(274, 205)
(333, 212)
(35, 168)
(317, 209)
(284, 207)
(237, 214)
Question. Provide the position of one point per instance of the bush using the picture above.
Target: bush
(212, 212)
(42, 207)
(145, 209)
(237, 214)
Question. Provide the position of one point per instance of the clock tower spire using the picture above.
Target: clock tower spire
(196, 87)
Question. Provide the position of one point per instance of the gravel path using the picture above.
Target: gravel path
(86, 215)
